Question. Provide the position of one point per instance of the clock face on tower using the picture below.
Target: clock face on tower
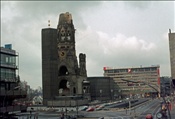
(62, 54)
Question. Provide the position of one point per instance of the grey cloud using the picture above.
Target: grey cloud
(120, 53)
(138, 4)
(23, 30)
(21, 25)
(37, 10)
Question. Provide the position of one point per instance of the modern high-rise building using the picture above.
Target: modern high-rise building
(136, 81)
(10, 89)
(172, 54)
(62, 77)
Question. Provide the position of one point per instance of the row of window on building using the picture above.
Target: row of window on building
(132, 70)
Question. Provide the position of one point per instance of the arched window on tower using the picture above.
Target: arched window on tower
(63, 71)
(64, 87)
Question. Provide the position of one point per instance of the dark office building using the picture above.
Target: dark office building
(102, 88)
(62, 77)
(9, 82)
(165, 86)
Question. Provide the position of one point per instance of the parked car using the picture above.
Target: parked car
(84, 108)
(90, 109)
(100, 107)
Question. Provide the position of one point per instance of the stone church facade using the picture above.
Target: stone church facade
(63, 77)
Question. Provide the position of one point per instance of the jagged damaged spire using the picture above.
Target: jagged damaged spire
(65, 18)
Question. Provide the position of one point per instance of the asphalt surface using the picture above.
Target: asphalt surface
(138, 112)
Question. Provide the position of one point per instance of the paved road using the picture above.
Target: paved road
(150, 107)
(138, 112)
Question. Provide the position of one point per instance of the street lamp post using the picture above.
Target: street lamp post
(119, 93)
(111, 94)
(100, 93)
(77, 106)
(84, 91)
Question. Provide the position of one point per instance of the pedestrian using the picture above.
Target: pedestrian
(30, 114)
(62, 116)
(36, 115)
(164, 108)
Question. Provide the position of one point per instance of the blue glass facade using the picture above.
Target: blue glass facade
(9, 82)
(8, 66)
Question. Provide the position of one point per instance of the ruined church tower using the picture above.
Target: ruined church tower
(62, 75)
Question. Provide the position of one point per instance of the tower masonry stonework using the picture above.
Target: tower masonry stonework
(62, 75)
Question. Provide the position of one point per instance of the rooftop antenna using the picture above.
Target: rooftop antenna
(169, 30)
(49, 23)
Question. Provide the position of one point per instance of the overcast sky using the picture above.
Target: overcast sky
(113, 34)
